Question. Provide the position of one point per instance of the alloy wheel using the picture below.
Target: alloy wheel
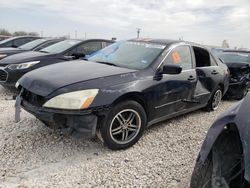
(217, 99)
(125, 126)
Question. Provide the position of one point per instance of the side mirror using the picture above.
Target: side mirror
(14, 46)
(78, 55)
(171, 69)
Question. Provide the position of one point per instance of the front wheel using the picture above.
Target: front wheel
(215, 100)
(124, 125)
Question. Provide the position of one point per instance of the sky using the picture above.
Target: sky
(202, 21)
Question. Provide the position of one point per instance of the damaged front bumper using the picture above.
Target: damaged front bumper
(78, 124)
(236, 89)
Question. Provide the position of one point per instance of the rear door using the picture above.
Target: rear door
(208, 72)
(174, 92)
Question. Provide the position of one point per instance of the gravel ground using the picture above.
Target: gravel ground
(31, 155)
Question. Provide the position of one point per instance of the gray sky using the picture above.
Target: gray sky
(202, 21)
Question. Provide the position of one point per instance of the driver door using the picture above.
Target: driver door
(174, 92)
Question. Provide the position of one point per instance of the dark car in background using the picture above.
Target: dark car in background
(14, 67)
(34, 45)
(124, 88)
(16, 41)
(224, 158)
(216, 50)
(238, 63)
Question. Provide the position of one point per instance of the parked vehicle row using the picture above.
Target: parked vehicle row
(115, 91)
(15, 66)
(120, 90)
(34, 45)
(17, 41)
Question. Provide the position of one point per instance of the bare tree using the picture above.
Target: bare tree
(33, 34)
(5, 32)
(20, 33)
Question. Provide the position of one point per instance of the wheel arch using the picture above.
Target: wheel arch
(221, 85)
(212, 140)
(136, 96)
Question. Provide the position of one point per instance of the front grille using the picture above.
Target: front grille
(3, 76)
(35, 100)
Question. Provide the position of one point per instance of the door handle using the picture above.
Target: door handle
(214, 72)
(191, 78)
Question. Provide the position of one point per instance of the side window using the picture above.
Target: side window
(202, 57)
(20, 42)
(87, 48)
(9, 44)
(180, 55)
(71, 52)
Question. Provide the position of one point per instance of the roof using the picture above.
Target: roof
(166, 42)
(26, 36)
(237, 51)
(156, 41)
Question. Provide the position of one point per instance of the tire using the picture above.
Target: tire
(202, 174)
(210, 105)
(124, 125)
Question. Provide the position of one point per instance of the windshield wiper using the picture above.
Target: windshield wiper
(107, 63)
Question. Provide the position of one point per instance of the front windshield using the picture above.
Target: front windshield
(235, 57)
(60, 46)
(129, 54)
(32, 44)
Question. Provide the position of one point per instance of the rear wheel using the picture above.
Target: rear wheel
(215, 100)
(124, 125)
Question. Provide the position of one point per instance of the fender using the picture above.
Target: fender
(238, 115)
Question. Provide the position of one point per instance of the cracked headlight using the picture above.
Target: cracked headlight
(73, 101)
(22, 65)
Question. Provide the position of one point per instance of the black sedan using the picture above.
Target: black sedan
(238, 63)
(224, 159)
(15, 42)
(123, 89)
(34, 45)
(14, 67)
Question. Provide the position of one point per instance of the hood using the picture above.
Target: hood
(25, 57)
(47, 79)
